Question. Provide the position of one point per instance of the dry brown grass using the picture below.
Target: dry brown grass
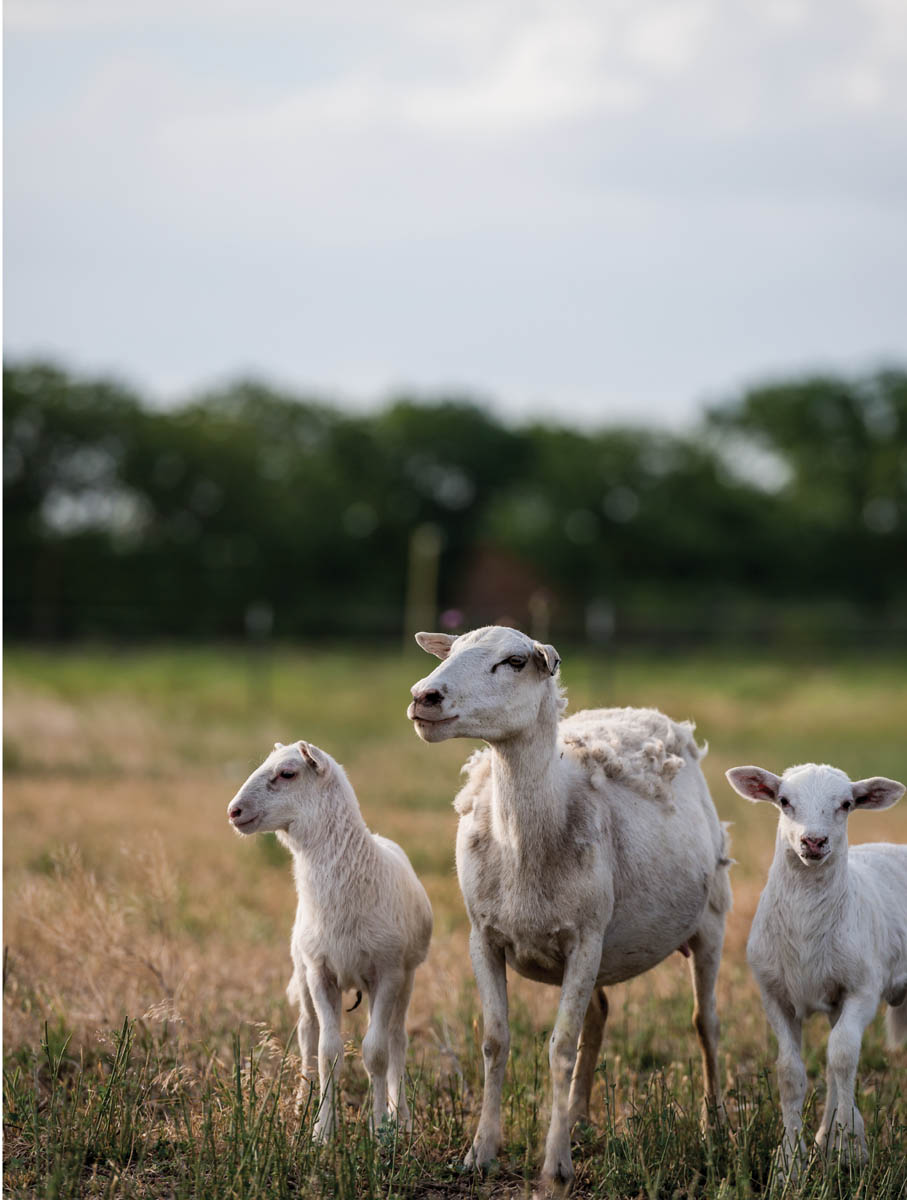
(127, 894)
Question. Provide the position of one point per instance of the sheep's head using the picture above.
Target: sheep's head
(491, 684)
(813, 804)
(282, 790)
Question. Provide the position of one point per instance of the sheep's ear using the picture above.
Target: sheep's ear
(439, 644)
(315, 758)
(546, 658)
(278, 745)
(754, 783)
(877, 792)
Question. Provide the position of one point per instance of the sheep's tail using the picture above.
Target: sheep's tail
(358, 1002)
(896, 1024)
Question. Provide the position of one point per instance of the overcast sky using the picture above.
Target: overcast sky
(597, 211)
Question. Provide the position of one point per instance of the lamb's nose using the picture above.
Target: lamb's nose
(234, 812)
(814, 844)
(429, 699)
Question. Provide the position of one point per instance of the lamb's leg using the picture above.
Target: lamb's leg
(705, 949)
(307, 1033)
(491, 977)
(396, 1067)
(326, 1000)
(843, 1058)
(580, 971)
(376, 1043)
(831, 1096)
(590, 1044)
(791, 1076)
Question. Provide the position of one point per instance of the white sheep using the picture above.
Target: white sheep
(829, 935)
(588, 851)
(363, 920)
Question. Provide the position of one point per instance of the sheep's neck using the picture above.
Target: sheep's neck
(811, 895)
(338, 847)
(527, 802)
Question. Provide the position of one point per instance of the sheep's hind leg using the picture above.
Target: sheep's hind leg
(396, 1065)
(705, 949)
(590, 1044)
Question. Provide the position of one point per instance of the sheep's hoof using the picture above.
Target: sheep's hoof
(555, 1184)
(481, 1156)
(788, 1162)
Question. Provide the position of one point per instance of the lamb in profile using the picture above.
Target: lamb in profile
(829, 935)
(363, 921)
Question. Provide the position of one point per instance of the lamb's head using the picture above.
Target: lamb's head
(491, 684)
(814, 803)
(284, 790)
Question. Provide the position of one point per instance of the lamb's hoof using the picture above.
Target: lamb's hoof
(554, 1185)
(788, 1163)
(481, 1156)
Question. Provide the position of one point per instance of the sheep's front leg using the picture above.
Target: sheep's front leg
(307, 1033)
(844, 1043)
(376, 1043)
(491, 977)
(396, 1067)
(326, 1000)
(580, 973)
(791, 1075)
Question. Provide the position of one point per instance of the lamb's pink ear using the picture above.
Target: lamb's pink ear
(439, 644)
(546, 658)
(755, 783)
(315, 758)
(877, 792)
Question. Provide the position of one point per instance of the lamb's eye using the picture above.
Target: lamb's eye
(846, 806)
(288, 773)
(516, 662)
(784, 802)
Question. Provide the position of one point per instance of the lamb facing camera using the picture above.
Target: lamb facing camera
(363, 921)
(829, 935)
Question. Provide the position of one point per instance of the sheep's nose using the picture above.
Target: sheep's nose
(428, 699)
(813, 844)
(234, 812)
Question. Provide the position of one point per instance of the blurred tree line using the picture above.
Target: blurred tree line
(784, 512)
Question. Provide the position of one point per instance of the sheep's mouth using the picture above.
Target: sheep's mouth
(813, 856)
(246, 825)
(419, 718)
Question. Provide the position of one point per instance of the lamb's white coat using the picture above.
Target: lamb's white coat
(588, 850)
(363, 920)
(829, 935)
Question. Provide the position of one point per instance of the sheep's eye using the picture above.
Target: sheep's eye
(288, 773)
(516, 662)
(784, 802)
(846, 806)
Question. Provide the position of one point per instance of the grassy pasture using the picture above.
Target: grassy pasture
(147, 1039)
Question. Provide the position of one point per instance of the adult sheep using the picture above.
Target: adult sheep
(588, 851)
